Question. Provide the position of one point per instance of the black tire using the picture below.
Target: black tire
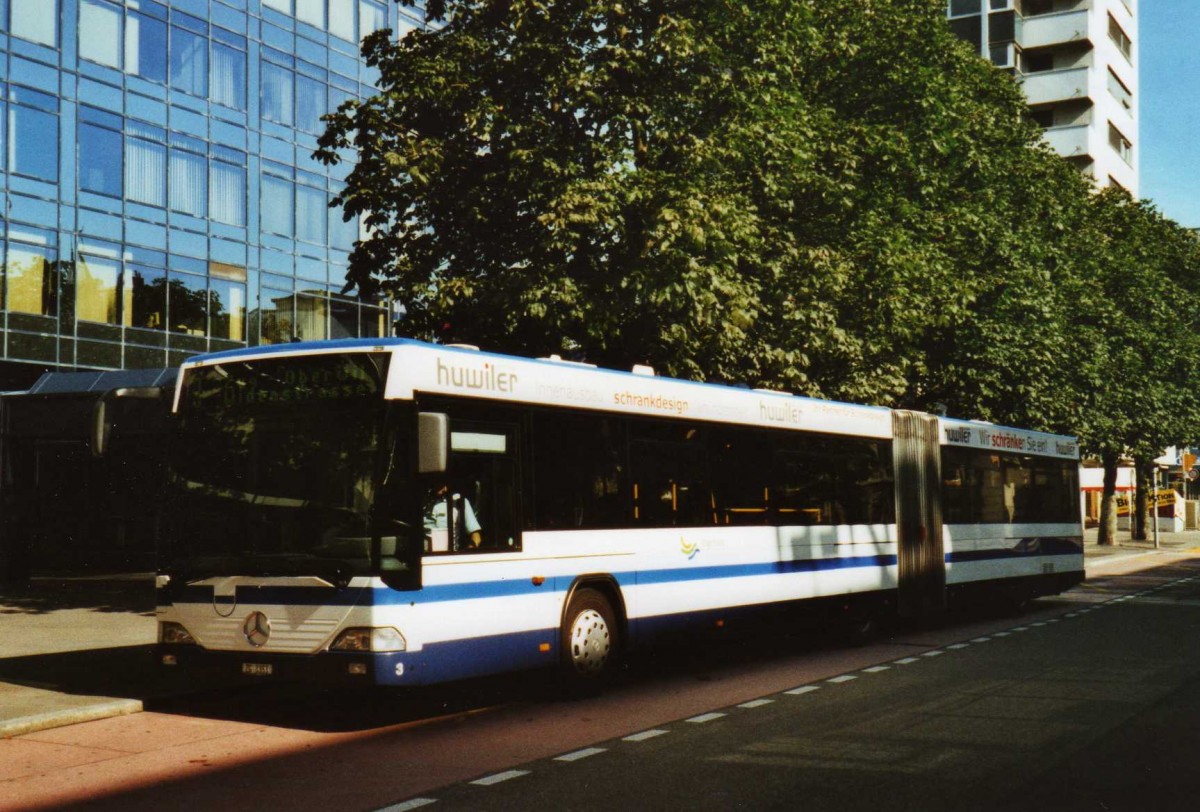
(588, 642)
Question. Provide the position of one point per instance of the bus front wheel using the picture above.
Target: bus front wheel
(589, 640)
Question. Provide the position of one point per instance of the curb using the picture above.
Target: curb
(69, 716)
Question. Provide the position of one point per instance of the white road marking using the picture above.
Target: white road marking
(415, 803)
(508, 775)
(645, 734)
(906, 661)
(578, 754)
(875, 669)
(934, 653)
(1001, 634)
(803, 689)
(982, 640)
(704, 717)
(957, 646)
(842, 678)
(756, 703)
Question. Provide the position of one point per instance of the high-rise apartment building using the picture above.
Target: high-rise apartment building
(159, 194)
(1077, 63)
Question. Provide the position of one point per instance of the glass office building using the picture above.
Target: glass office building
(159, 193)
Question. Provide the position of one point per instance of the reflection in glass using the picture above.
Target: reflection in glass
(31, 282)
(311, 12)
(343, 321)
(33, 143)
(189, 62)
(99, 160)
(372, 17)
(276, 318)
(187, 304)
(100, 33)
(146, 46)
(276, 464)
(227, 306)
(149, 298)
(312, 316)
(97, 290)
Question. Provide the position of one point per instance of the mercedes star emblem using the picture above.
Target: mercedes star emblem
(257, 629)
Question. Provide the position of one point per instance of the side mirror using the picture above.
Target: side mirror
(433, 442)
(101, 428)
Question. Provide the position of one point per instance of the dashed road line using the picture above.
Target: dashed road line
(644, 735)
(405, 806)
(587, 752)
(704, 717)
(875, 669)
(937, 652)
(957, 646)
(841, 678)
(756, 703)
(906, 661)
(803, 689)
(499, 778)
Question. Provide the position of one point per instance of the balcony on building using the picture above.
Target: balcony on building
(1055, 28)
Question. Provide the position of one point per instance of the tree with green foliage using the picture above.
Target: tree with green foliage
(787, 193)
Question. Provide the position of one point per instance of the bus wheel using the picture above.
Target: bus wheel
(589, 641)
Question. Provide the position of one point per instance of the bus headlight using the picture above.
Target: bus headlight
(169, 632)
(382, 638)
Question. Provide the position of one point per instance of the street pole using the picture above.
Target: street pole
(1155, 513)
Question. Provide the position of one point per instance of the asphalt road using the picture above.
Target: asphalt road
(1088, 702)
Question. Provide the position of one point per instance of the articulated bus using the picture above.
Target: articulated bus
(386, 511)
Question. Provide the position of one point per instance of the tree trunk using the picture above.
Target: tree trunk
(1141, 513)
(1108, 502)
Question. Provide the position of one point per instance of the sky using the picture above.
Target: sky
(1169, 107)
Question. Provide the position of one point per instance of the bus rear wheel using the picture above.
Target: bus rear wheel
(589, 641)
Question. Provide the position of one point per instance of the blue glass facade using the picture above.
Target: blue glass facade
(160, 198)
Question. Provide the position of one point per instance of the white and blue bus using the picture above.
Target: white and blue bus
(394, 512)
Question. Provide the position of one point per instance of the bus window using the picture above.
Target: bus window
(474, 506)
(670, 477)
(579, 462)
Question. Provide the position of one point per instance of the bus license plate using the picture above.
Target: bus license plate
(257, 669)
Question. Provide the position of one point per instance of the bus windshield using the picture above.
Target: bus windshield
(275, 466)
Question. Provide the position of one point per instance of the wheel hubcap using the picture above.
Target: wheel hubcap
(590, 642)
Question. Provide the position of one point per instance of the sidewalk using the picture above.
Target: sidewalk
(77, 649)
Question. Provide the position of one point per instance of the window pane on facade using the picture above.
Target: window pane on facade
(35, 20)
(227, 309)
(33, 143)
(189, 62)
(187, 304)
(228, 76)
(372, 17)
(311, 206)
(279, 5)
(312, 317)
(100, 32)
(146, 47)
(148, 297)
(310, 104)
(277, 206)
(341, 19)
(99, 160)
(227, 193)
(277, 319)
(311, 12)
(96, 290)
(145, 172)
(30, 280)
(189, 183)
(276, 93)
